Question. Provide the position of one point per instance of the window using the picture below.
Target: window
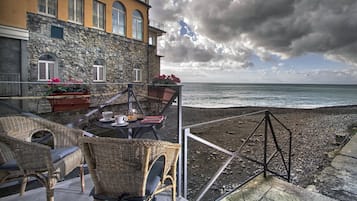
(152, 39)
(98, 71)
(75, 11)
(137, 75)
(56, 32)
(46, 68)
(48, 7)
(98, 14)
(137, 25)
(118, 17)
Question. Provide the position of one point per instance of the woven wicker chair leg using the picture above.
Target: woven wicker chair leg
(50, 194)
(81, 172)
(50, 188)
(23, 185)
(174, 192)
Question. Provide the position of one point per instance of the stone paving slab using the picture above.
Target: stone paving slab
(339, 180)
(273, 189)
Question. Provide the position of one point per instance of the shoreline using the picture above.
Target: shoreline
(244, 107)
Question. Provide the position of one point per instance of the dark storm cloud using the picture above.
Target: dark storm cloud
(284, 27)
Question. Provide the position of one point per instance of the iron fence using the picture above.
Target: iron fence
(269, 133)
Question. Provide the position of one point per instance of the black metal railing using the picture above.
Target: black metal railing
(269, 133)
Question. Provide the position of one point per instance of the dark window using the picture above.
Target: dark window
(56, 32)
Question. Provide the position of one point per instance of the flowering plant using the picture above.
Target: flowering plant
(166, 79)
(56, 86)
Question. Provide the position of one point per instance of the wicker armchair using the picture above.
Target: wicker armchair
(136, 169)
(21, 158)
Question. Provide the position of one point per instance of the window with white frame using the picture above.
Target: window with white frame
(46, 68)
(137, 25)
(152, 39)
(75, 11)
(48, 7)
(98, 14)
(118, 17)
(137, 75)
(98, 71)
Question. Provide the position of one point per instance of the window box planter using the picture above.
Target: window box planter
(69, 101)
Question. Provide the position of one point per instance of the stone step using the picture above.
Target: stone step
(273, 189)
(339, 179)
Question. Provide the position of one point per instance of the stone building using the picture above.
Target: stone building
(96, 41)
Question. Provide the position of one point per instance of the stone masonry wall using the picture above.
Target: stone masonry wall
(76, 53)
(154, 63)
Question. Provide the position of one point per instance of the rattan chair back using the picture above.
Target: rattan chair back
(121, 166)
(34, 159)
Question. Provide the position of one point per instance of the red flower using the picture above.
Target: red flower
(166, 79)
(54, 80)
(56, 86)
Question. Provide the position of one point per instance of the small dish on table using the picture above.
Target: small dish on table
(106, 120)
(121, 124)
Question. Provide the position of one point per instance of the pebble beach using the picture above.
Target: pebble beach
(313, 142)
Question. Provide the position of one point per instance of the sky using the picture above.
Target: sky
(258, 41)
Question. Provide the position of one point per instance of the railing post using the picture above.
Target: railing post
(180, 138)
(266, 142)
(185, 159)
(289, 168)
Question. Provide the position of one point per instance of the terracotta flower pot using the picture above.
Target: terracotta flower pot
(163, 93)
(67, 101)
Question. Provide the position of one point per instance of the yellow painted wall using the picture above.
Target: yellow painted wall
(13, 13)
(88, 10)
(130, 6)
(62, 10)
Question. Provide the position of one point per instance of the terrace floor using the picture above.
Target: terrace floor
(69, 190)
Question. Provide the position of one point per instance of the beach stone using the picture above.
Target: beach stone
(340, 138)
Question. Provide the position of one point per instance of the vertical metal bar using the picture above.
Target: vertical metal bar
(290, 142)
(185, 159)
(277, 144)
(137, 102)
(265, 143)
(130, 91)
(180, 139)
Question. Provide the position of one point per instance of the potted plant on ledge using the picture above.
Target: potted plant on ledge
(163, 87)
(72, 95)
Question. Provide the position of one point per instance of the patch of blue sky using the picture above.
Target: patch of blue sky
(185, 30)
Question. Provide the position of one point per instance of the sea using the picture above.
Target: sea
(222, 95)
